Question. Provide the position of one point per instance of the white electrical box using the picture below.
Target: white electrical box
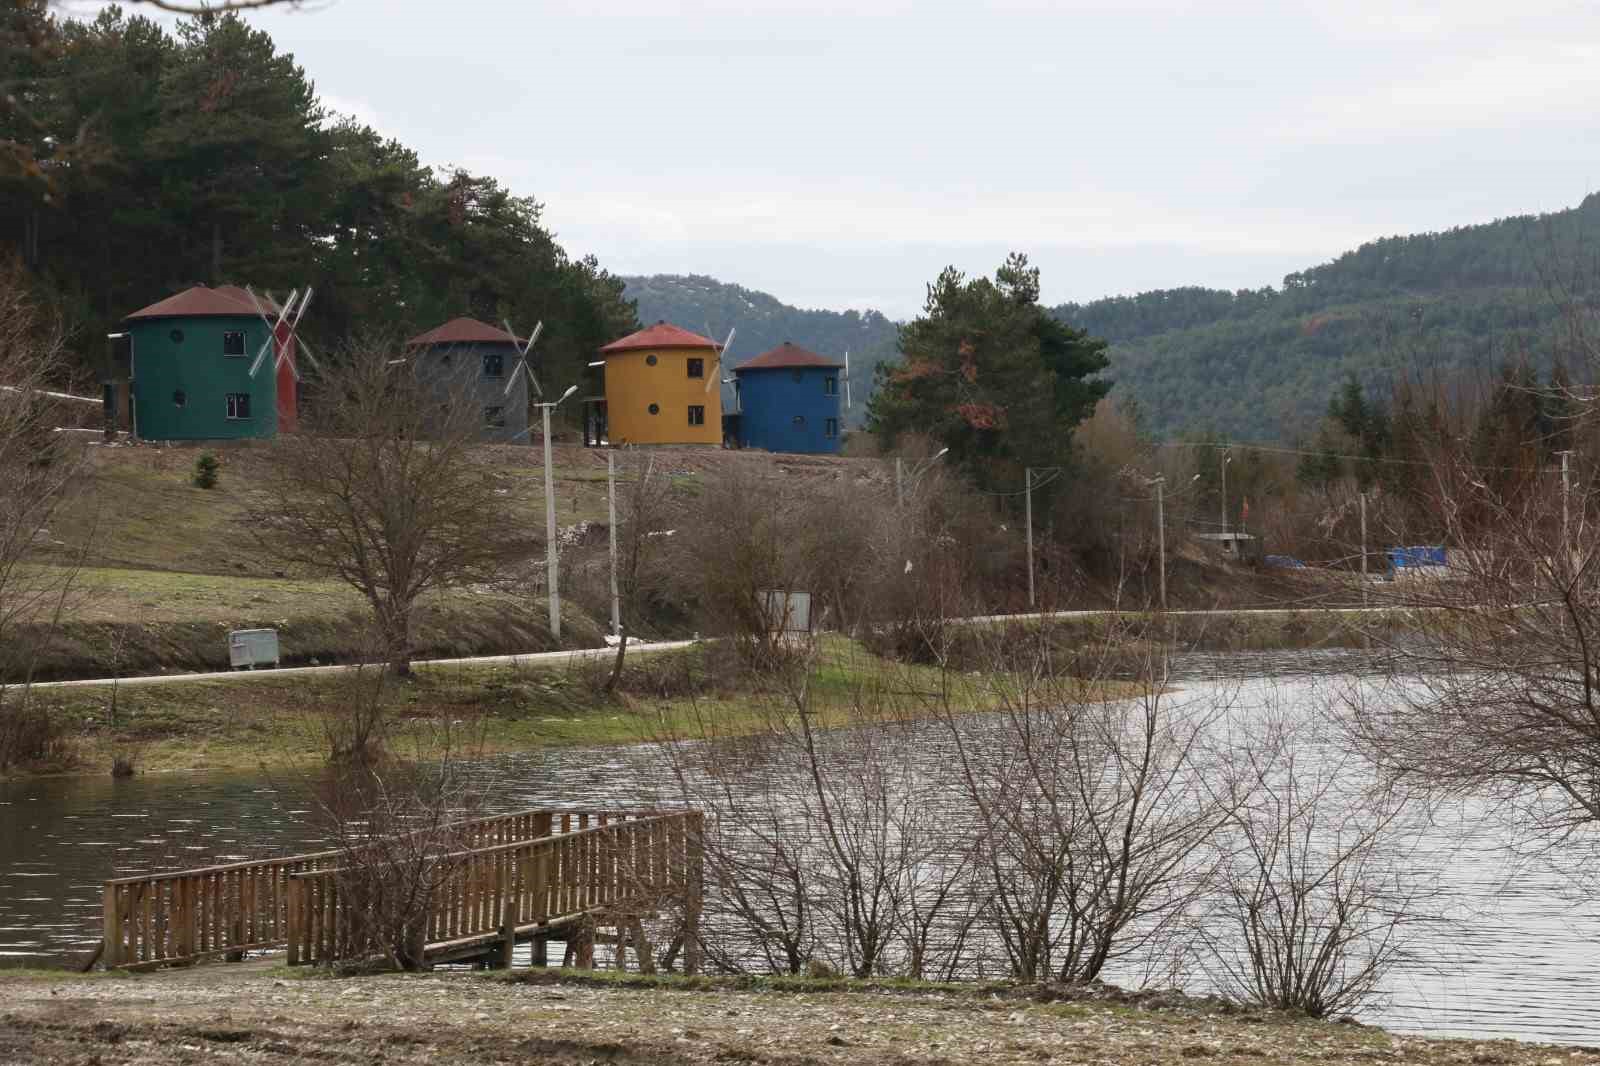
(250, 648)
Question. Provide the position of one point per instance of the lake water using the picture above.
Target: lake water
(1514, 959)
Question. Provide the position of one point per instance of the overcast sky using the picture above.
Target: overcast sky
(838, 155)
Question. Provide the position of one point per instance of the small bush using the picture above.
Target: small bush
(29, 736)
(205, 471)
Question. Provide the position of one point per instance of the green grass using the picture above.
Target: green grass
(26, 974)
(106, 594)
(267, 720)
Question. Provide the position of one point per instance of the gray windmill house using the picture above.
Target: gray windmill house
(480, 360)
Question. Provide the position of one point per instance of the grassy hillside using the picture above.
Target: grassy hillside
(167, 568)
(1262, 363)
(696, 302)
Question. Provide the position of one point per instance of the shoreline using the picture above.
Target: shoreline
(267, 1013)
(278, 720)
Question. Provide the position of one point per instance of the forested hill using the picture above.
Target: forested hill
(697, 302)
(1262, 363)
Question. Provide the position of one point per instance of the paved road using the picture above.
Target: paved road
(638, 649)
(1219, 612)
(290, 671)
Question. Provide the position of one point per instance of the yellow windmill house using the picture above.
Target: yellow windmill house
(662, 386)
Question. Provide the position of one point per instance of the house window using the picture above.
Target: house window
(494, 365)
(179, 398)
(799, 421)
(177, 336)
(238, 405)
(830, 386)
(697, 415)
(494, 417)
(650, 360)
(830, 427)
(655, 408)
(697, 368)
(233, 342)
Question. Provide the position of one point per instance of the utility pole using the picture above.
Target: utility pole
(1161, 535)
(899, 483)
(1027, 495)
(1363, 549)
(611, 509)
(1566, 490)
(550, 529)
(1226, 459)
(550, 519)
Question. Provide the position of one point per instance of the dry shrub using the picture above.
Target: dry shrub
(710, 669)
(39, 469)
(397, 825)
(31, 737)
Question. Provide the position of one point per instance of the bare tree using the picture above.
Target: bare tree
(397, 826)
(1317, 891)
(1094, 816)
(1500, 694)
(384, 490)
(40, 469)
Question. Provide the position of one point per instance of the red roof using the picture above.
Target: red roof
(201, 302)
(661, 335)
(786, 355)
(267, 303)
(462, 331)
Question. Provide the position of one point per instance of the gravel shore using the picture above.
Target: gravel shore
(262, 1014)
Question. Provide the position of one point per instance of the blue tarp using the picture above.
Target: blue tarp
(1288, 562)
(1417, 555)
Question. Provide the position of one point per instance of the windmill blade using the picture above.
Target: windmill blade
(261, 356)
(305, 349)
(272, 327)
(522, 357)
(299, 313)
(283, 349)
(716, 359)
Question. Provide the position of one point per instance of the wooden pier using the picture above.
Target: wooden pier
(508, 878)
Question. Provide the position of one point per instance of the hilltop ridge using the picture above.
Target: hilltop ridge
(1253, 364)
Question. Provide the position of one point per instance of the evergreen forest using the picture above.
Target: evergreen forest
(140, 161)
(1260, 364)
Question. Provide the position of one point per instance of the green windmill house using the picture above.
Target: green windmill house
(203, 366)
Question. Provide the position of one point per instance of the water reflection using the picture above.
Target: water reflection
(1514, 959)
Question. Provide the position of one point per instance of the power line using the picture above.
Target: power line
(1281, 450)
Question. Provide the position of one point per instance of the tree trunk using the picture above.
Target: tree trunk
(397, 640)
(616, 670)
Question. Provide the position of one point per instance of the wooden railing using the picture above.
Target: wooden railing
(224, 911)
(611, 870)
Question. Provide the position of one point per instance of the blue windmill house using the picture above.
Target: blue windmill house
(788, 400)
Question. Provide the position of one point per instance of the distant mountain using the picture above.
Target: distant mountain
(700, 303)
(1259, 364)
(1262, 363)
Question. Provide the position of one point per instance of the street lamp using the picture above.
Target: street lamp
(550, 518)
(1227, 457)
(899, 477)
(1160, 483)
